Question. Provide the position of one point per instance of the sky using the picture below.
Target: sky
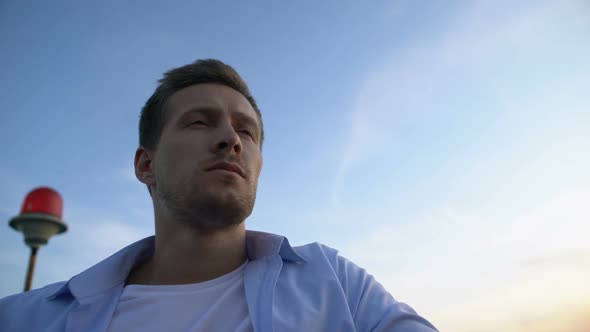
(443, 146)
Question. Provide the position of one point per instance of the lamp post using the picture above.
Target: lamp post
(39, 219)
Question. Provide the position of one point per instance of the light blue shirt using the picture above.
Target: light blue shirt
(306, 288)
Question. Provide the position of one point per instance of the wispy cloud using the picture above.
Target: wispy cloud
(451, 266)
(467, 63)
(568, 258)
(454, 261)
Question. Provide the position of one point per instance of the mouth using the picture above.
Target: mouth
(228, 167)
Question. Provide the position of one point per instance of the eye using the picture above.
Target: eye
(247, 132)
(198, 123)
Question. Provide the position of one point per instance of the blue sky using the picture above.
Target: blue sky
(442, 146)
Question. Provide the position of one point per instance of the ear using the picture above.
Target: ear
(144, 167)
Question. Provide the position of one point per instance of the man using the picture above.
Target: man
(200, 137)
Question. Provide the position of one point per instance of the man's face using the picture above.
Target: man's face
(208, 160)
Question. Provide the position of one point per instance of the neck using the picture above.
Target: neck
(185, 254)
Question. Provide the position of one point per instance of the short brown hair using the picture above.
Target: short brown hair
(151, 121)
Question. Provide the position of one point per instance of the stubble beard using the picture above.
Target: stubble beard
(205, 210)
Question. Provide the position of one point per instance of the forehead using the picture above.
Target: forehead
(214, 96)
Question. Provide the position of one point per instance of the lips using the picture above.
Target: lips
(228, 167)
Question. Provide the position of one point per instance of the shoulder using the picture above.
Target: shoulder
(18, 308)
(32, 296)
(317, 253)
(326, 260)
(369, 303)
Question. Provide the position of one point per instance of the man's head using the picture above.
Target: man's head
(200, 137)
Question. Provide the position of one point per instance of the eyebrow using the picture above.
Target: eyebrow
(203, 110)
(212, 111)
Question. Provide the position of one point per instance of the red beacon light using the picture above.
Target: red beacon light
(39, 220)
(40, 217)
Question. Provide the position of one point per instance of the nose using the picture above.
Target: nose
(227, 141)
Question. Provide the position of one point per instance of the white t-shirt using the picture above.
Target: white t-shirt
(213, 305)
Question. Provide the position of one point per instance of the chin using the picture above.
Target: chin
(219, 208)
